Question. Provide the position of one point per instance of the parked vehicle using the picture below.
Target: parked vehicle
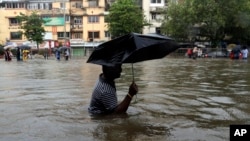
(217, 54)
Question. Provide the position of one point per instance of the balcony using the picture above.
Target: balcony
(157, 9)
(76, 27)
(53, 12)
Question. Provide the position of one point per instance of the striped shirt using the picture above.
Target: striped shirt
(104, 97)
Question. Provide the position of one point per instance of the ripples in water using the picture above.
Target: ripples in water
(178, 99)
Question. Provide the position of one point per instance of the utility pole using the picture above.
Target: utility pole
(64, 16)
(93, 19)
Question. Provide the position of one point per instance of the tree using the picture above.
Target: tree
(237, 19)
(176, 22)
(125, 17)
(190, 19)
(32, 26)
(210, 19)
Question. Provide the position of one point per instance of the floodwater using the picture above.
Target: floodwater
(179, 99)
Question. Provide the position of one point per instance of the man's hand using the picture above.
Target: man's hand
(133, 89)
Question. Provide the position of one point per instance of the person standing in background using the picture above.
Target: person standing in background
(189, 52)
(18, 54)
(57, 53)
(244, 52)
(195, 52)
(8, 55)
(66, 54)
(46, 54)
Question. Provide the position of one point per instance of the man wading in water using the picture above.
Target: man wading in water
(104, 97)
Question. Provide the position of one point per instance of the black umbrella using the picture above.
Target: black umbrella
(236, 49)
(24, 47)
(132, 48)
(63, 48)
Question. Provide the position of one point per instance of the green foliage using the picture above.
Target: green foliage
(210, 19)
(32, 26)
(125, 17)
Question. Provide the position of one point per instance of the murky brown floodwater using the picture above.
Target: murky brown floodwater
(178, 100)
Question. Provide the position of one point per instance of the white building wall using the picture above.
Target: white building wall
(157, 20)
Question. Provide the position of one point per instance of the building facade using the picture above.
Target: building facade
(153, 11)
(80, 22)
(76, 20)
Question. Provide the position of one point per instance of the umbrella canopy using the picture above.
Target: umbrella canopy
(231, 46)
(24, 47)
(132, 48)
(8, 47)
(201, 46)
(236, 49)
(63, 48)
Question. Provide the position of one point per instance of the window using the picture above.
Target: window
(8, 5)
(107, 34)
(96, 34)
(61, 34)
(62, 5)
(67, 18)
(15, 36)
(33, 6)
(78, 5)
(41, 6)
(77, 35)
(93, 3)
(155, 1)
(13, 21)
(153, 16)
(93, 19)
(78, 20)
(158, 30)
(21, 5)
(15, 5)
(48, 6)
(156, 17)
(45, 6)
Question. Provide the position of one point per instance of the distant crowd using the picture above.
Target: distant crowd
(24, 54)
(238, 52)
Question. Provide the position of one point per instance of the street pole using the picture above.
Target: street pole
(64, 16)
(92, 29)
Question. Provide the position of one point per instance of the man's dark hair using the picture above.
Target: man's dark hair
(111, 71)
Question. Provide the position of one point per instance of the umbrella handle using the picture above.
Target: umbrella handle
(133, 72)
(133, 79)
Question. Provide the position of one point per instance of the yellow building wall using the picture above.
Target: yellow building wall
(90, 27)
(87, 27)
(5, 28)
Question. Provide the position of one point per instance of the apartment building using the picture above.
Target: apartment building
(153, 10)
(76, 22)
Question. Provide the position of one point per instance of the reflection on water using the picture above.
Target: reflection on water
(178, 99)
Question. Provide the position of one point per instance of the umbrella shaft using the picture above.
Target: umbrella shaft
(133, 72)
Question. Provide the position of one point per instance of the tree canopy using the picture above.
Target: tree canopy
(213, 20)
(125, 16)
(32, 26)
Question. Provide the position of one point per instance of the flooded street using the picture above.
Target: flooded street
(179, 99)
